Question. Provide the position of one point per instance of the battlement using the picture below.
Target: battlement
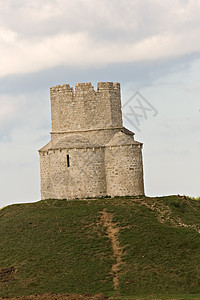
(84, 107)
(108, 86)
(85, 86)
(60, 88)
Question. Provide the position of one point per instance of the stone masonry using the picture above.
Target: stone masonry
(90, 153)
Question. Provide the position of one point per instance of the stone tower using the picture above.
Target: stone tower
(90, 153)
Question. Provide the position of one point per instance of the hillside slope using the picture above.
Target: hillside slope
(127, 246)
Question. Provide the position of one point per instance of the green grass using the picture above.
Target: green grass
(159, 297)
(61, 246)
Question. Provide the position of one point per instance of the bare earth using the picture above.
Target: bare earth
(49, 296)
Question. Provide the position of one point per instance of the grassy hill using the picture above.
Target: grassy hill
(123, 246)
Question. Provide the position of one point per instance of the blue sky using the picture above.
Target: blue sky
(148, 46)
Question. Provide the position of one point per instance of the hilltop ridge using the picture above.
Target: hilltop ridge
(120, 246)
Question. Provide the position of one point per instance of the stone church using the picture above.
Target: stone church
(90, 153)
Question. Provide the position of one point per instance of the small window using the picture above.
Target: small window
(68, 164)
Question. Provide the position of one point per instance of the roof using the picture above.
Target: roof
(120, 138)
(127, 131)
(124, 137)
(46, 147)
(71, 141)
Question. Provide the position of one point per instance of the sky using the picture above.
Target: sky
(151, 47)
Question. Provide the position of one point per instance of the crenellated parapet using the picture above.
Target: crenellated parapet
(84, 107)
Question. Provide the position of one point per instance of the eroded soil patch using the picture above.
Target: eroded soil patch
(50, 296)
(112, 231)
(6, 274)
(164, 215)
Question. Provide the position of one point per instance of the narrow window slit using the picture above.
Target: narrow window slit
(68, 164)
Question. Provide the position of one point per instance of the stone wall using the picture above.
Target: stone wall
(85, 108)
(124, 170)
(46, 187)
(84, 177)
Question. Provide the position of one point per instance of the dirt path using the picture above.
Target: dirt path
(112, 232)
(165, 215)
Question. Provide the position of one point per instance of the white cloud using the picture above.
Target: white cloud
(79, 50)
(43, 35)
(7, 36)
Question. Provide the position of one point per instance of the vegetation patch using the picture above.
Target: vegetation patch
(126, 247)
(50, 296)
